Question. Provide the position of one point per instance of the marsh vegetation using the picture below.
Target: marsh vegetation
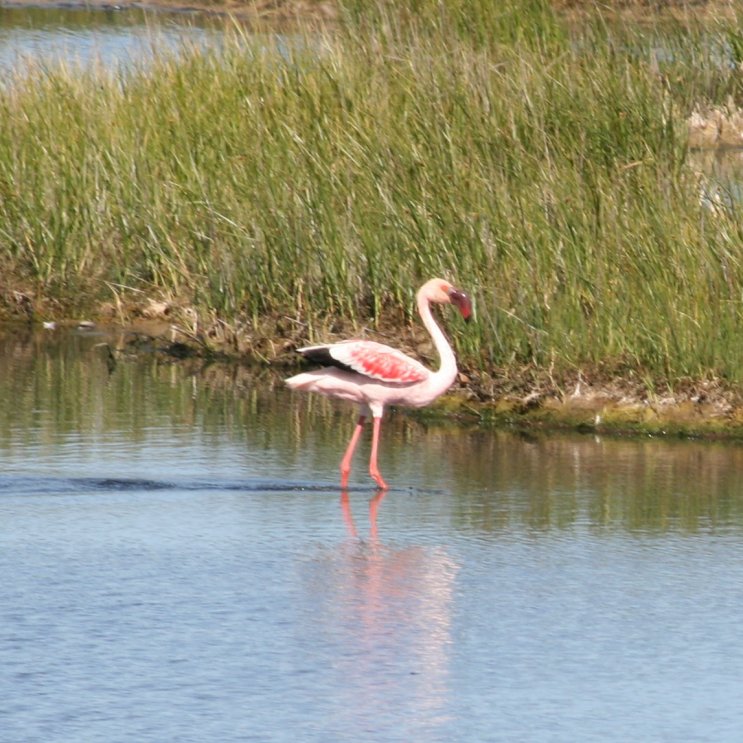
(286, 187)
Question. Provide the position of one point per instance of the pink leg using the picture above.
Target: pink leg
(346, 461)
(373, 469)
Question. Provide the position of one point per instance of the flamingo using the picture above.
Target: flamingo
(374, 375)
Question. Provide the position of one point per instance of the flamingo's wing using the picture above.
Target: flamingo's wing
(374, 360)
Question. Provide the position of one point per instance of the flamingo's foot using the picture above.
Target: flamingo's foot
(381, 484)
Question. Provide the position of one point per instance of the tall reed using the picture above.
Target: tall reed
(540, 164)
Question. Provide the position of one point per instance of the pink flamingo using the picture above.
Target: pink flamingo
(374, 375)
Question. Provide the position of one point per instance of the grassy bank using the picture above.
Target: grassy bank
(290, 194)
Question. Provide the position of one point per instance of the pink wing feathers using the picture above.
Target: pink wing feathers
(374, 360)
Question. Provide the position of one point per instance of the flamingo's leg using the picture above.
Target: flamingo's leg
(373, 468)
(346, 461)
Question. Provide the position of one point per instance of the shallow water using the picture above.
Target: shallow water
(111, 37)
(179, 564)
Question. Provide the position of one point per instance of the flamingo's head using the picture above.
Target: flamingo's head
(442, 292)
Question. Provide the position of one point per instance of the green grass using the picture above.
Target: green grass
(541, 165)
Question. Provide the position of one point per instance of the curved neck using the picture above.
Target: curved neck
(448, 368)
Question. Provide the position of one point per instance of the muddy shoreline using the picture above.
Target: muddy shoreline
(599, 401)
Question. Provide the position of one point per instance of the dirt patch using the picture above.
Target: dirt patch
(716, 126)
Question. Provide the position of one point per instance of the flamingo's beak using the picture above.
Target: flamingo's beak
(462, 302)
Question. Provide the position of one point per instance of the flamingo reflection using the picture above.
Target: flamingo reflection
(382, 615)
(374, 504)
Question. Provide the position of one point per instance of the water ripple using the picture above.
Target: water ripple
(25, 485)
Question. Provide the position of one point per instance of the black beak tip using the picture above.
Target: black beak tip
(462, 302)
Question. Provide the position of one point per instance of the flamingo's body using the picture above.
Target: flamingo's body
(374, 375)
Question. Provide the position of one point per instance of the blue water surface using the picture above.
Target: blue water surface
(178, 564)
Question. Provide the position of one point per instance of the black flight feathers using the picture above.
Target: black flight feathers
(321, 355)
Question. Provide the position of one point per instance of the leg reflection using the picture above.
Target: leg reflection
(374, 504)
(373, 507)
(347, 515)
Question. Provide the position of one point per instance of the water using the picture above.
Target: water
(178, 564)
(111, 37)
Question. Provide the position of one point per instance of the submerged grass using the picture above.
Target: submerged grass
(539, 164)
